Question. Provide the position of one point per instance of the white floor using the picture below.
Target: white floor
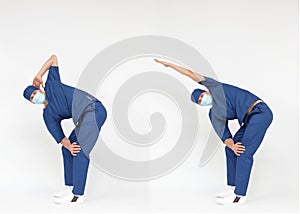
(105, 194)
(34, 202)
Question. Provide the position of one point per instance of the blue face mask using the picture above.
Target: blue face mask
(206, 100)
(39, 98)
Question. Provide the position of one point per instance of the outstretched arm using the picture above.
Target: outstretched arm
(194, 76)
(38, 81)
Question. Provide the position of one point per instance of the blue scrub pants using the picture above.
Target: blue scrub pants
(76, 167)
(250, 135)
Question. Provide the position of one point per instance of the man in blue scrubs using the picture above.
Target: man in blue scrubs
(254, 116)
(88, 114)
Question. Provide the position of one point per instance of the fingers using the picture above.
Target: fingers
(75, 145)
(161, 62)
(75, 149)
(38, 84)
(239, 149)
(237, 154)
(240, 146)
(42, 84)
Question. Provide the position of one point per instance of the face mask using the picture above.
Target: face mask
(39, 98)
(206, 100)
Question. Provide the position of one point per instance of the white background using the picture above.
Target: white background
(251, 44)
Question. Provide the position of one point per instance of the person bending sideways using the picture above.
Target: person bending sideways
(61, 102)
(254, 116)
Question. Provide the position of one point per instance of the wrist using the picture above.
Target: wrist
(67, 146)
(229, 142)
(66, 143)
(39, 76)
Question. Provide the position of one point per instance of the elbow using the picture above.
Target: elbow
(53, 57)
(54, 60)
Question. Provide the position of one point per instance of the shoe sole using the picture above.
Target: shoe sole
(231, 204)
(59, 196)
(218, 196)
(69, 203)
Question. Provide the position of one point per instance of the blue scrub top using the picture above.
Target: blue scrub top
(61, 100)
(229, 103)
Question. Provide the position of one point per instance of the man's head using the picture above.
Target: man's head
(201, 97)
(34, 95)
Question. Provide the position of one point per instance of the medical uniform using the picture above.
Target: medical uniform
(229, 103)
(88, 114)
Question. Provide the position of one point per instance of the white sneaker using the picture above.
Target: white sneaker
(69, 199)
(225, 193)
(67, 190)
(232, 200)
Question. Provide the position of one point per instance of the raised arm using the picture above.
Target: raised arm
(38, 81)
(194, 76)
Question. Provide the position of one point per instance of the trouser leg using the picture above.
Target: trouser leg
(230, 166)
(231, 159)
(68, 161)
(68, 166)
(76, 172)
(86, 136)
(245, 161)
(255, 130)
(80, 170)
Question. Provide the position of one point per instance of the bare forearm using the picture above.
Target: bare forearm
(52, 61)
(181, 70)
(194, 76)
